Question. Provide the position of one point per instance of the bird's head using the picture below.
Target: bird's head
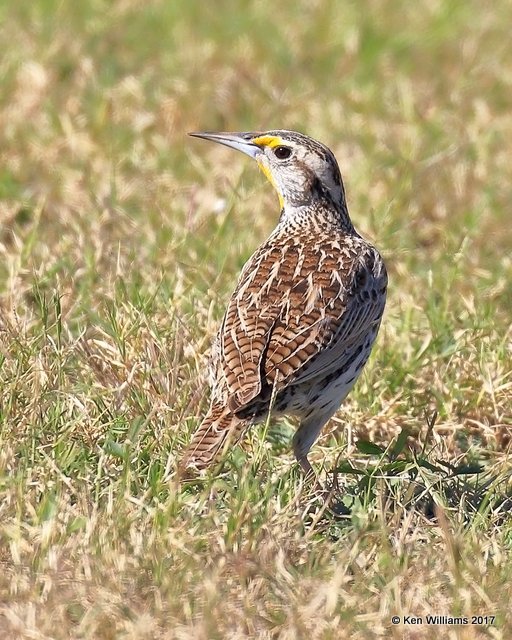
(301, 169)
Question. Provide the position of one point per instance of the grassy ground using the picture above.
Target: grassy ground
(120, 241)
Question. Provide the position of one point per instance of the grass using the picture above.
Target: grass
(120, 241)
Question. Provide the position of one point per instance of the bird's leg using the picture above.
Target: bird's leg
(304, 437)
(305, 465)
(330, 504)
(309, 472)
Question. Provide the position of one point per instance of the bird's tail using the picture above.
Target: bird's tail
(218, 431)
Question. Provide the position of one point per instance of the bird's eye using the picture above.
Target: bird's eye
(281, 153)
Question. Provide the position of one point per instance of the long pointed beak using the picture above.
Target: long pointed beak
(239, 141)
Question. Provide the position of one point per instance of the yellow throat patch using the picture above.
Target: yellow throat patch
(269, 141)
(266, 172)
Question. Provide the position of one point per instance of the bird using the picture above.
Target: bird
(305, 312)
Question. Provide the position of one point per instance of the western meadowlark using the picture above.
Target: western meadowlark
(305, 312)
